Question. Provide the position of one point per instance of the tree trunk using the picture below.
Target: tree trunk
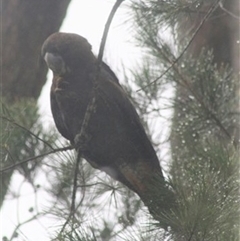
(220, 33)
(25, 25)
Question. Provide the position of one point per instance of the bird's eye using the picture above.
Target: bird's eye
(55, 63)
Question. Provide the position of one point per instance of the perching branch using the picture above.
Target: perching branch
(82, 138)
(92, 103)
(106, 29)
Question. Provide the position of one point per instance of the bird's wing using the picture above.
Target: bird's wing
(114, 94)
(140, 172)
(108, 71)
(58, 117)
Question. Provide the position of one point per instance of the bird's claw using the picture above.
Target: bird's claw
(81, 141)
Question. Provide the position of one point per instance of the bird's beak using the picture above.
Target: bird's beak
(55, 63)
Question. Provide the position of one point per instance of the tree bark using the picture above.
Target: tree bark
(25, 25)
(220, 32)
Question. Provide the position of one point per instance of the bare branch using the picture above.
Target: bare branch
(106, 29)
(23, 223)
(91, 104)
(228, 12)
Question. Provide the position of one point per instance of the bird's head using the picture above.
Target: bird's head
(67, 52)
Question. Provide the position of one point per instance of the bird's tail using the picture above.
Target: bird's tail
(151, 186)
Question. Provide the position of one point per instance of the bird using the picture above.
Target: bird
(117, 143)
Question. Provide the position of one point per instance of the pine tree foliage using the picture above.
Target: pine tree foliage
(204, 139)
(189, 105)
(104, 208)
(22, 136)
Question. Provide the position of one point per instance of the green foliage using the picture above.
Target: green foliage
(198, 98)
(170, 12)
(19, 143)
(207, 189)
(204, 138)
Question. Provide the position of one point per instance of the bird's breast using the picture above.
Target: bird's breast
(59, 84)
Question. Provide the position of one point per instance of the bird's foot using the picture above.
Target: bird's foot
(81, 141)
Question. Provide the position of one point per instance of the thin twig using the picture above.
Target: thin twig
(35, 217)
(83, 180)
(106, 29)
(25, 129)
(228, 12)
(185, 82)
(72, 209)
(92, 103)
(210, 11)
(35, 157)
(206, 109)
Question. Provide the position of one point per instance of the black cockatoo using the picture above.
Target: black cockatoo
(118, 143)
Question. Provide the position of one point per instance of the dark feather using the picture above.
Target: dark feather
(118, 143)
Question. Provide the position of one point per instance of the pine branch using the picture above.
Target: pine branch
(74, 191)
(27, 130)
(210, 11)
(36, 157)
